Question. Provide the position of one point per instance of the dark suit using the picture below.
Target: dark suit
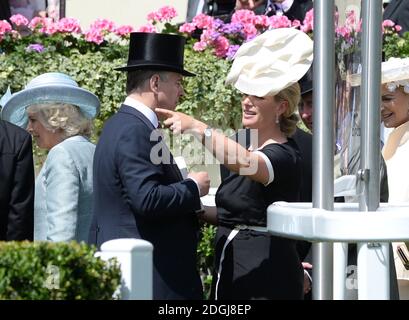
(4, 10)
(16, 183)
(398, 12)
(134, 198)
(297, 11)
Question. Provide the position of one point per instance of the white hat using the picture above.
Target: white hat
(395, 72)
(47, 88)
(271, 62)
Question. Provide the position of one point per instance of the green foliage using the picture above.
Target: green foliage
(205, 252)
(396, 46)
(207, 97)
(55, 271)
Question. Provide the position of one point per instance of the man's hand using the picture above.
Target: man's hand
(203, 181)
(307, 278)
(179, 122)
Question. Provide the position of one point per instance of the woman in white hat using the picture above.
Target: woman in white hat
(251, 263)
(59, 115)
(395, 114)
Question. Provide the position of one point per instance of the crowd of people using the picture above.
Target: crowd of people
(129, 186)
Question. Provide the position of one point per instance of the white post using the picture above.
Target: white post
(135, 258)
(340, 269)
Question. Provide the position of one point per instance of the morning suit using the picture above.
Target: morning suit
(16, 183)
(297, 11)
(63, 197)
(139, 196)
(398, 12)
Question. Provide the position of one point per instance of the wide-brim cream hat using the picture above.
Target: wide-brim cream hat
(52, 87)
(271, 62)
(394, 70)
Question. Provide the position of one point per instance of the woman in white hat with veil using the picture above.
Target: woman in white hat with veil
(250, 262)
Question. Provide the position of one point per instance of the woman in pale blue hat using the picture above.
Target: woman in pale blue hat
(58, 114)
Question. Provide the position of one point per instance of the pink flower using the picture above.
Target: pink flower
(351, 19)
(203, 21)
(147, 28)
(200, 46)
(344, 32)
(359, 26)
(243, 16)
(103, 25)
(398, 28)
(5, 27)
(19, 20)
(187, 28)
(262, 21)
(296, 23)
(388, 23)
(308, 23)
(36, 22)
(221, 45)
(124, 30)
(49, 26)
(94, 35)
(165, 13)
(69, 25)
(250, 31)
(279, 22)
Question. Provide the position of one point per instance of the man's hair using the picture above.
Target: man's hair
(137, 78)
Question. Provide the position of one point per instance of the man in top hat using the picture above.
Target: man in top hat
(138, 189)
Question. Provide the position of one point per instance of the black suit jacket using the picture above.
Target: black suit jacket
(16, 183)
(398, 12)
(297, 11)
(4, 10)
(136, 198)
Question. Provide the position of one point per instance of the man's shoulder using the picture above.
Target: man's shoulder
(301, 135)
(12, 137)
(11, 129)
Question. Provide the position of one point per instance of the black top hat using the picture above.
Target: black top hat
(156, 51)
(306, 82)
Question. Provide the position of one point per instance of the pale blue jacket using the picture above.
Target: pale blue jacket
(63, 192)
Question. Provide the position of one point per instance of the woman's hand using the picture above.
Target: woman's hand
(179, 122)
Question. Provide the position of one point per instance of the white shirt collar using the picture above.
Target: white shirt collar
(146, 111)
(285, 5)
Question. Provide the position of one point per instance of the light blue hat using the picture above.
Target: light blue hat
(48, 88)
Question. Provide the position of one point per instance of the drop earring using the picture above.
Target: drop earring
(277, 120)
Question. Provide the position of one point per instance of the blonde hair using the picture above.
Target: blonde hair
(67, 117)
(289, 119)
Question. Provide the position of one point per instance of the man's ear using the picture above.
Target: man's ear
(154, 83)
